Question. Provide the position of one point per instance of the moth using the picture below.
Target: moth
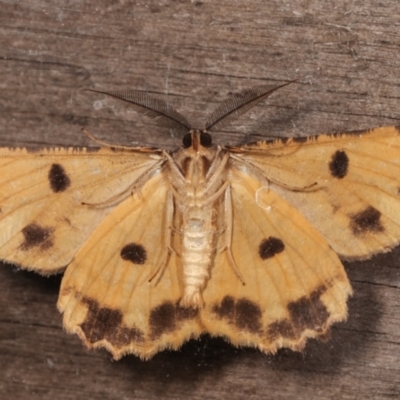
(241, 242)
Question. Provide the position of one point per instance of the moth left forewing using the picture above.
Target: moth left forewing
(46, 194)
(106, 295)
(346, 185)
(295, 285)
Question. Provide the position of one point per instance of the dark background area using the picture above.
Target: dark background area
(346, 55)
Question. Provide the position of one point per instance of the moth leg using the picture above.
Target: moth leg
(130, 190)
(215, 167)
(174, 167)
(169, 215)
(218, 234)
(174, 192)
(228, 233)
(105, 144)
(221, 249)
(215, 172)
(217, 194)
(260, 175)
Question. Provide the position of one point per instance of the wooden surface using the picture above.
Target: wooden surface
(194, 53)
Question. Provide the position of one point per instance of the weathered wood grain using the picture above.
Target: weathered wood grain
(193, 53)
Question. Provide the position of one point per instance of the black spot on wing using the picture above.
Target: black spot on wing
(339, 164)
(134, 253)
(269, 247)
(58, 178)
(308, 312)
(167, 317)
(397, 129)
(37, 236)
(243, 313)
(104, 323)
(365, 221)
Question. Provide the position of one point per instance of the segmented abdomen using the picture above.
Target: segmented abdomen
(197, 250)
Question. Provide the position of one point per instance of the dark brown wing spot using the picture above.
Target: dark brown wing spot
(183, 313)
(243, 313)
(282, 328)
(397, 129)
(366, 221)
(167, 316)
(339, 164)
(162, 319)
(58, 178)
(269, 247)
(37, 236)
(106, 323)
(308, 312)
(226, 309)
(248, 315)
(134, 253)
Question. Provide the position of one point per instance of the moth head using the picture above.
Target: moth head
(197, 140)
(196, 154)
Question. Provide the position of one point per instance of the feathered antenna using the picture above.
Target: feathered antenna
(238, 104)
(156, 109)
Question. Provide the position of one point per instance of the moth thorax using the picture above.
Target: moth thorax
(194, 168)
(195, 164)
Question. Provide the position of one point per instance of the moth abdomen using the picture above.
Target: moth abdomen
(198, 233)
